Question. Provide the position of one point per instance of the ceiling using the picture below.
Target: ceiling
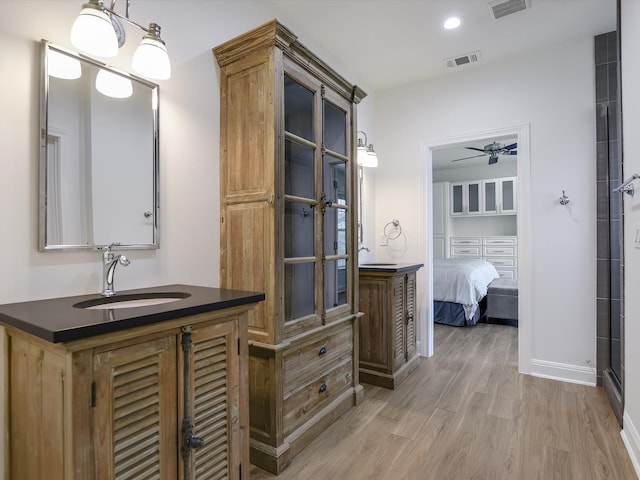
(388, 43)
(442, 157)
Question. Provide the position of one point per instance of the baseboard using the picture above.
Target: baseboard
(631, 440)
(563, 372)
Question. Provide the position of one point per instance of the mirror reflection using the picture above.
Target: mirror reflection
(99, 155)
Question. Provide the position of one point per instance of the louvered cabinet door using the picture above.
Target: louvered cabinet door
(410, 292)
(215, 386)
(135, 410)
(399, 322)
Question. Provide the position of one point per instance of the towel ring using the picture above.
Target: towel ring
(392, 230)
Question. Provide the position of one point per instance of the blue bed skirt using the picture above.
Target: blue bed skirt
(449, 313)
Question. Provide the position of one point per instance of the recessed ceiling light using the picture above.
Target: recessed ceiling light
(452, 22)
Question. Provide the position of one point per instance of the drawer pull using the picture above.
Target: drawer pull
(323, 388)
(322, 351)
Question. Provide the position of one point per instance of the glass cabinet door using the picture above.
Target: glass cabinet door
(457, 198)
(335, 206)
(490, 189)
(508, 194)
(300, 150)
(474, 198)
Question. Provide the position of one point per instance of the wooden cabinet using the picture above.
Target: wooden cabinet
(495, 196)
(388, 326)
(288, 228)
(117, 405)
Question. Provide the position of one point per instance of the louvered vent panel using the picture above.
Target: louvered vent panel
(211, 407)
(136, 419)
(399, 321)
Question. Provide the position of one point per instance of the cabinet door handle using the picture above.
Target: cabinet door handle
(323, 388)
(322, 351)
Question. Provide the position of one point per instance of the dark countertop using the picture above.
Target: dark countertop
(57, 320)
(389, 267)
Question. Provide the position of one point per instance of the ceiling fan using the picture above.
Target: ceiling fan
(493, 150)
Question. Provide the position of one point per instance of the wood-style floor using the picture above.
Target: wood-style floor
(466, 413)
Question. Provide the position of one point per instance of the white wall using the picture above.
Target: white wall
(552, 91)
(189, 147)
(630, 64)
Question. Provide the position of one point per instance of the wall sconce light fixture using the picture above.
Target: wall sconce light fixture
(98, 31)
(366, 155)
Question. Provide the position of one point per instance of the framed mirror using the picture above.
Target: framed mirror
(98, 155)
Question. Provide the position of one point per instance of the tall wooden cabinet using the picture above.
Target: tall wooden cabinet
(288, 228)
(388, 328)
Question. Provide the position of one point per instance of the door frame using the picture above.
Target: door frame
(523, 222)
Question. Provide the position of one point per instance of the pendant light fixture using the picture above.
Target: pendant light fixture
(366, 156)
(98, 31)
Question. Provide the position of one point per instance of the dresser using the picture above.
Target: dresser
(500, 251)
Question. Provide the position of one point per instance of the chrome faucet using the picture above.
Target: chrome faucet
(109, 263)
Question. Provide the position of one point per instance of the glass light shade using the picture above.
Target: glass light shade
(152, 60)
(92, 32)
(63, 66)
(451, 23)
(113, 85)
(361, 153)
(372, 158)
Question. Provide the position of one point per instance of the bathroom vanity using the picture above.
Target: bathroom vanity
(151, 380)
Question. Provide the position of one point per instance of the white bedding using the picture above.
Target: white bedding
(462, 280)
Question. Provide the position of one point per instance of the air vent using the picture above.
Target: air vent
(465, 59)
(502, 8)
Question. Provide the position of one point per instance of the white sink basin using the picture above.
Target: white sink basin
(131, 300)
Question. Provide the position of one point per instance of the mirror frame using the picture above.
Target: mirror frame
(43, 242)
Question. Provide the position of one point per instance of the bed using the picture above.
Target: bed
(459, 286)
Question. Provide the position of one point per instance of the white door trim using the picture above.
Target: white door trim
(525, 306)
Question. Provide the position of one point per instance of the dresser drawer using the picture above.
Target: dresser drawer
(466, 241)
(506, 272)
(305, 401)
(502, 261)
(500, 251)
(471, 251)
(316, 355)
(498, 241)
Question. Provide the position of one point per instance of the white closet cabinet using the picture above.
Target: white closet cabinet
(499, 196)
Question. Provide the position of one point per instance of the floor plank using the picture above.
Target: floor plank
(466, 413)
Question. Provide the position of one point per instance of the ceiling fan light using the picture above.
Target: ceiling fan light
(93, 33)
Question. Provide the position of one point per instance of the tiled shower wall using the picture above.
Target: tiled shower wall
(609, 207)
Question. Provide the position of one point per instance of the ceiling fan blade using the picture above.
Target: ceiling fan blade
(493, 160)
(474, 148)
(510, 152)
(467, 158)
(511, 147)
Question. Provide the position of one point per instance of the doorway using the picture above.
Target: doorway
(521, 135)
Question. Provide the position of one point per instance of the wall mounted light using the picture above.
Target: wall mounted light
(366, 155)
(98, 31)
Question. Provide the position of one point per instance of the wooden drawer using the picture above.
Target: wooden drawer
(316, 355)
(471, 251)
(466, 241)
(502, 261)
(302, 403)
(498, 241)
(496, 251)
